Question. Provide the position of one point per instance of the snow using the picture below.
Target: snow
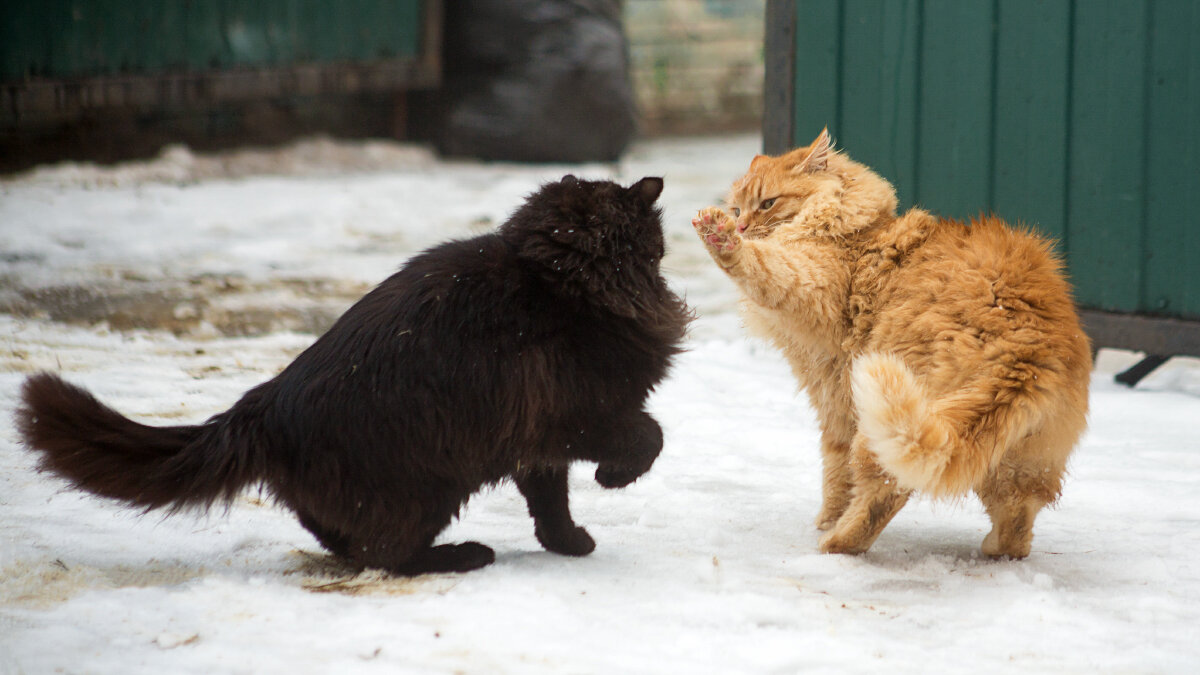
(708, 564)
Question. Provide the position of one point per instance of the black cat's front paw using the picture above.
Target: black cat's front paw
(613, 477)
(638, 450)
(574, 541)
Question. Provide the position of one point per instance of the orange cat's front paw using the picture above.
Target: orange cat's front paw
(717, 230)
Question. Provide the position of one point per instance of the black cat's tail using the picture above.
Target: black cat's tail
(103, 452)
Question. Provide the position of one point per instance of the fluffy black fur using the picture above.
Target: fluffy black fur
(507, 355)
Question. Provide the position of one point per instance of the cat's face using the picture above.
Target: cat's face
(592, 236)
(776, 190)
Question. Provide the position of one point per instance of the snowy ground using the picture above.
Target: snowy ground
(170, 287)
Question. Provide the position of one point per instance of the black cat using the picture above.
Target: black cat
(507, 355)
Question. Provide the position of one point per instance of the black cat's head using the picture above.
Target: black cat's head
(594, 239)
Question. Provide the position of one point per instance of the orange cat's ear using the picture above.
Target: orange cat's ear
(815, 157)
(758, 161)
(821, 149)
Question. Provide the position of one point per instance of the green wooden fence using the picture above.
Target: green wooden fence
(58, 55)
(1079, 117)
(65, 38)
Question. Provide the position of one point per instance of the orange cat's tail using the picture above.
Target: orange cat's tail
(941, 446)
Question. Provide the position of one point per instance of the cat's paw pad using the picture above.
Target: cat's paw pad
(575, 541)
(611, 476)
(716, 229)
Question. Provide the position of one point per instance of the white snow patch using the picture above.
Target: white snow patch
(708, 564)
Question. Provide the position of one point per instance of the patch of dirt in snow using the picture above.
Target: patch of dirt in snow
(203, 306)
(44, 583)
(328, 574)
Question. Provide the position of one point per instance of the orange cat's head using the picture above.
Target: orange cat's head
(813, 190)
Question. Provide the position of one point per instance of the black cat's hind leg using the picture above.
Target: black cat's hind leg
(631, 446)
(464, 557)
(334, 542)
(404, 544)
(545, 491)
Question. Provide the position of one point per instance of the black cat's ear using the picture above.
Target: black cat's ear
(569, 179)
(647, 189)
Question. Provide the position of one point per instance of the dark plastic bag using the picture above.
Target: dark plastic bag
(536, 81)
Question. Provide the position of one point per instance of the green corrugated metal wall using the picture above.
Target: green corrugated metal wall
(1081, 118)
(63, 39)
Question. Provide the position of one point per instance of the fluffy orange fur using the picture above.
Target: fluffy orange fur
(941, 357)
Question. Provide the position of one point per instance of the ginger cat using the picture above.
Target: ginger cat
(940, 357)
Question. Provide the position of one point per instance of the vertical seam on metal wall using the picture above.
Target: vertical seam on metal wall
(919, 95)
(893, 130)
(1147, 88)
(793, 50)
(995, 70)
(894, 133)
(839, 60)
(1069, 111)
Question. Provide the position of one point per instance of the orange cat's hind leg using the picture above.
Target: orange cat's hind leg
(875, 499)
(1027, 479)
(837, 482)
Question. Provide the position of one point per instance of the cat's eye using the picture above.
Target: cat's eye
(736, 212)
(767, 203)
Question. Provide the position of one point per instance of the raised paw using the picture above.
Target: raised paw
(717, 230)
(574, 541)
